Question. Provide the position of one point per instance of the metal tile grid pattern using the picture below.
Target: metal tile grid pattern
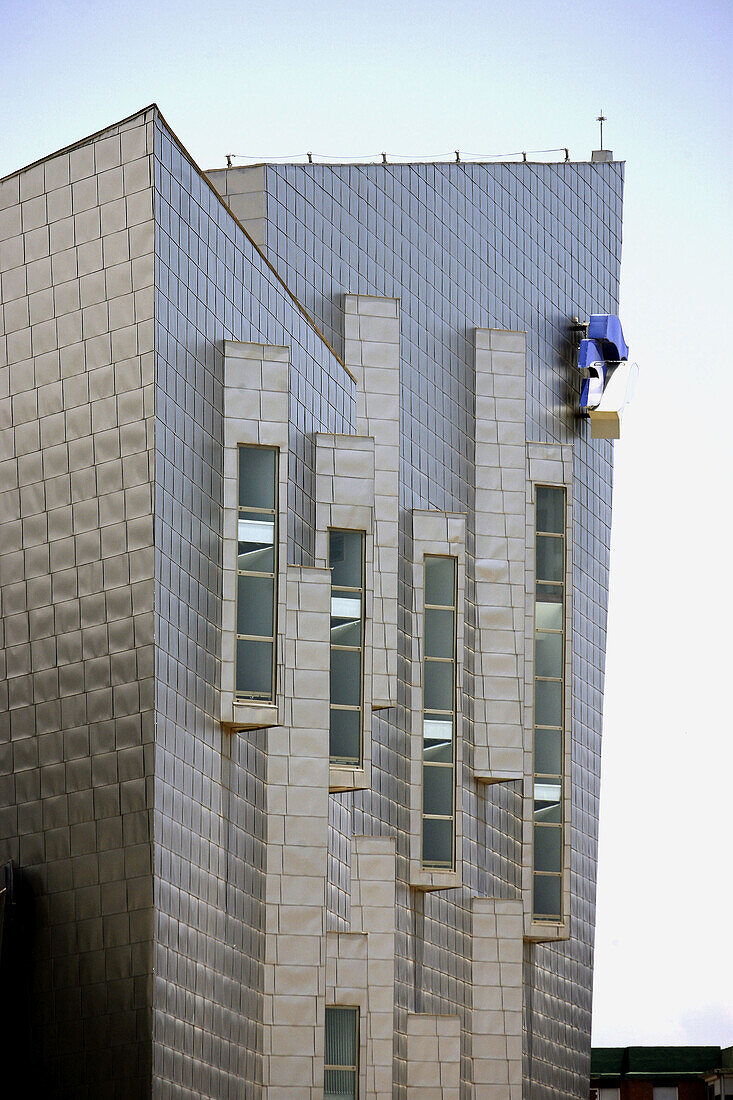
(523, 247)
(210, 829)
(76, 633)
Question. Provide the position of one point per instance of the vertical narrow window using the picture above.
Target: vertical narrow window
(341, 1054)
(549, 702)
(439, 713)
(346, 559)
(257, 541)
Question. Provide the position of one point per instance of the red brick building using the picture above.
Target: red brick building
(661, 1073)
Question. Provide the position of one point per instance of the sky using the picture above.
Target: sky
(352, 79)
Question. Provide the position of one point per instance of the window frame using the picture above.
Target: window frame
(355, 1012)
(240, 695)
(342, 762)
(431, 865)
(548, 779)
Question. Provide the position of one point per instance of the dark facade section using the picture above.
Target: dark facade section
(76, 641)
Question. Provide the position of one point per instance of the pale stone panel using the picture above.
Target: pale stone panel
(372, 356)
(498, 928)
(500, 508)
(373, 912)
(547, 464)
(256, 412)
(360, 963)
(433, 1057)
(243, 190)
(297, 850)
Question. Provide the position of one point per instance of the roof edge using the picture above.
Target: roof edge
(151, 107)
(154, 110)
(299, 306)
(417, 164)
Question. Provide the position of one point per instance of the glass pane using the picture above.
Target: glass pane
(254, 669)
(437, 791)
(345, 739)
(438, 739)
(257, 477)
(547, 848)
(256, 538)
(548, 614)
(550, 509)
(255, 606)
(547, 896)
(345, 608)
(548, 752)
(550, 563)
(345, 632)
(548, 654)
(440, 633)
(340, 1037)
(345, 556)
(255, 561)
(548, 803)
(438, 687)
(339, 1084)
(547, 703)
(437, 842)
(440, 580)
(346, 677)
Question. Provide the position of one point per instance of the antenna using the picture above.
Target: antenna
(601, 119)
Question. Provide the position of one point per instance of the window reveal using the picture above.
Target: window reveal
(346, 560)
(439, 713)
(549, 702)
(257, 564)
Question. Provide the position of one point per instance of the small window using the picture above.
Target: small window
(439, 713)
(341, 1081)
(664, 1092)
(549, 701)
(346, 560)
(257, 563)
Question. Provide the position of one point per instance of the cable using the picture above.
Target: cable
(389, 158)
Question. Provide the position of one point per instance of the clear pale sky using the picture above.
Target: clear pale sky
(355, 78)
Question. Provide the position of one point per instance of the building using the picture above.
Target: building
(661, 1073)
(280, 447)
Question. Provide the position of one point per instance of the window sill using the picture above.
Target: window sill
(348, 779)
(251, 716)
(546, 931)
(423, 879)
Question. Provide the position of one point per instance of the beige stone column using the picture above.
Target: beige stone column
(499, 549)
(256, 411)
(360, 967)
(373, 912)
(345, 499)
(243, 190)
(372, 356)
(498, 928)
(435, 532)
(433, 1057)
(297, 849)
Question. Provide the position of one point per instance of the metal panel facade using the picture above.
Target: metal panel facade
(137, 824)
